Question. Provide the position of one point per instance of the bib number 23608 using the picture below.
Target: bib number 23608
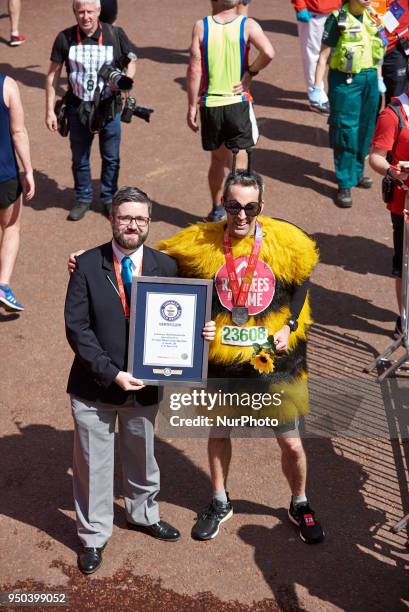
(244, 336)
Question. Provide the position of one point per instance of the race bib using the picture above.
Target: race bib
(244, 336)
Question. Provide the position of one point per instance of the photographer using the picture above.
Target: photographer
(93, 54)
(391, 142)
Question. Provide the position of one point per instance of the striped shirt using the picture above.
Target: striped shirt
(224, 53)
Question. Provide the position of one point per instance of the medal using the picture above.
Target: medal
(240, 315)
(240, 312)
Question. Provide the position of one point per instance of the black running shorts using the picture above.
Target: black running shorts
(10, 191)
(233, 125)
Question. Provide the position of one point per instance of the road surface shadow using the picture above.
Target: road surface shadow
(278, 129)
(29, 77)
(294, 170)
(6, 317)
(357, 254)
(36, 480)
(352, 312)
(163, 55)
(279, 26)
(266, 94)
(348, 551)
(50, 195)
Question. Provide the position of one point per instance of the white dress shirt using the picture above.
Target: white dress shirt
(136, 258)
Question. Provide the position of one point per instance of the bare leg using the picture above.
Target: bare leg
(293, 463)
(10, 239)
(219, 159)
(14, 12)
(219, 453)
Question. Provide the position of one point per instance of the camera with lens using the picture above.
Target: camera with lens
(132, 108)
(113, 74)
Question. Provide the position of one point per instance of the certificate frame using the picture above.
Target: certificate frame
(148, 289)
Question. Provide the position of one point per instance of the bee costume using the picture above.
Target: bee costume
(278, 294)
(291, 256)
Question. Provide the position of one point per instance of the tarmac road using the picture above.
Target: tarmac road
(357, 482)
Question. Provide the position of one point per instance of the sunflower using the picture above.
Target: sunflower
(262, 362)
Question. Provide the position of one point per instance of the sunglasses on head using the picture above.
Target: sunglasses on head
(252, 209)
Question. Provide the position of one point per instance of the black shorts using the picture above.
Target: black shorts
(10, 191)
(233, 125)
(397, 224)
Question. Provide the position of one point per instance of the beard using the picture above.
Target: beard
(132, 242)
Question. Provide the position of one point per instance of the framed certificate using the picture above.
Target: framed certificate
(165, 335)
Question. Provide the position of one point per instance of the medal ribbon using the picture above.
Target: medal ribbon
(120, 282)
(240, 292)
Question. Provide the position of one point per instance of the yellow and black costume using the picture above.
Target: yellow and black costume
(291, 256)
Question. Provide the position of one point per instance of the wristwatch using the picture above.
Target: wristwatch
(252, 73)
(292, 324)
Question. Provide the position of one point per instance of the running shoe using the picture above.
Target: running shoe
(310, 530)
(208, 521)
(9, 302)
(17, 40)
(216, 214)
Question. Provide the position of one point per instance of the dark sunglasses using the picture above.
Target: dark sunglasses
(252, 209)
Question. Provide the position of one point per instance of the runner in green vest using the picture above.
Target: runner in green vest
(357, 40)
(219, 77)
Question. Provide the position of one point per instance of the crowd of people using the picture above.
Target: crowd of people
(367, 47)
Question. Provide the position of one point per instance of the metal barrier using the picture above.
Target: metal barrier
(403, 339)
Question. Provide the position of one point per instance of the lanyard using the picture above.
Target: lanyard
(240, 292)
(120, 282)
(79, 40)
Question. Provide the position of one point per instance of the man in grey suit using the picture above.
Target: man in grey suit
(101, 389)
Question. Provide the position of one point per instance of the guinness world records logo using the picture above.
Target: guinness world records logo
(170, 310)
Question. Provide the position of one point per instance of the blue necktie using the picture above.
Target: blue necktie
(126, 273)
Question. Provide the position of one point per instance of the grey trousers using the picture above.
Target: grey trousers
(93, 466)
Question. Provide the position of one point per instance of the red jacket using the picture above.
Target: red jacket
(316, 6)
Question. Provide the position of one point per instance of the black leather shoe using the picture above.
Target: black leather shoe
(344, 198)
(78, 211)
(160, 530)
(90, 559)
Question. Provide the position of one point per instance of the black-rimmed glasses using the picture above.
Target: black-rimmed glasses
(127, 220)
